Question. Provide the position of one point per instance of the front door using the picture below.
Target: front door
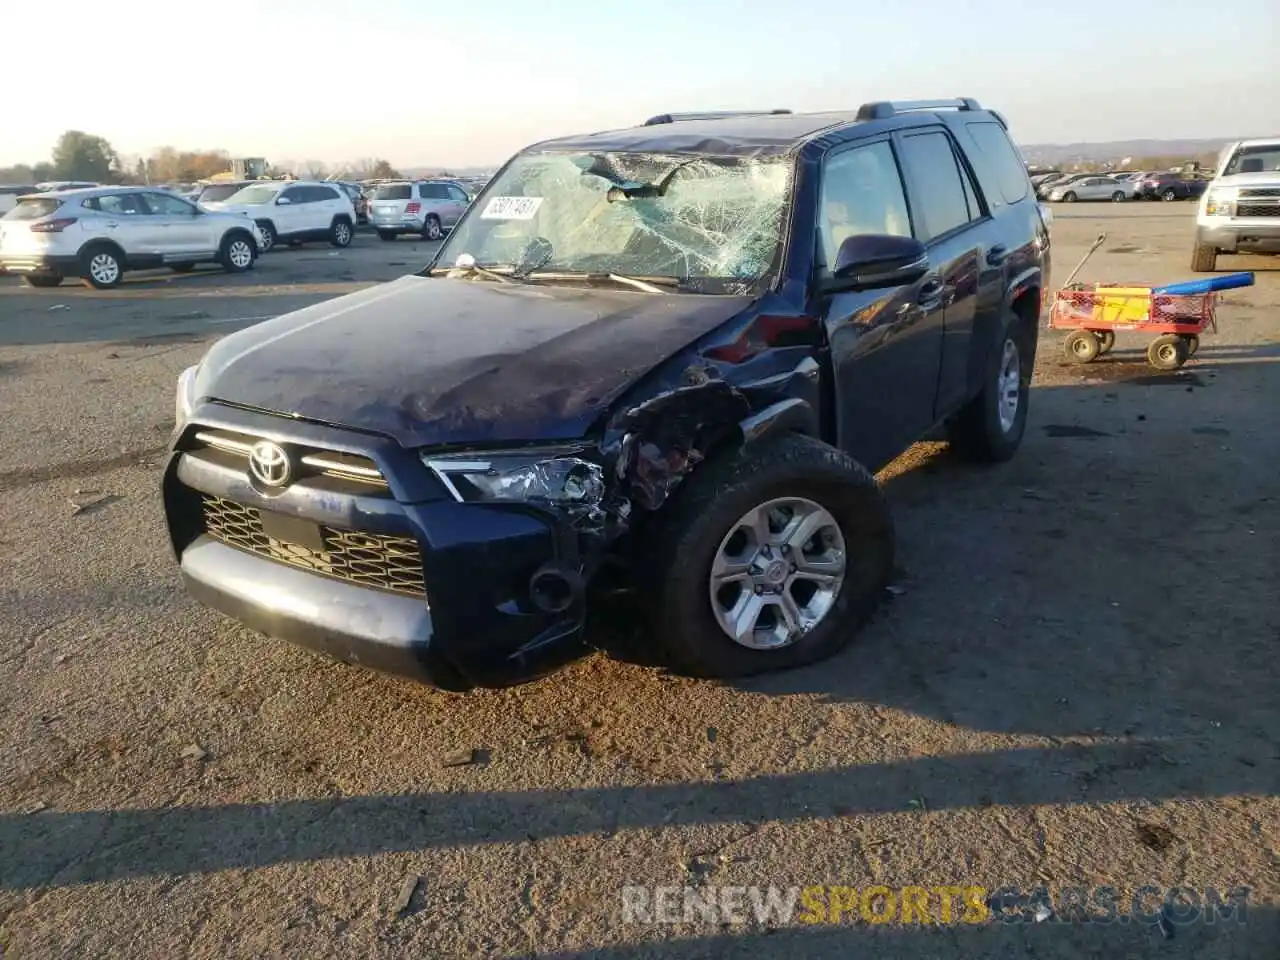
(886, 345)
(186, 233)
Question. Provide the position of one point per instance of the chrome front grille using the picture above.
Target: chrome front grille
(366, 559)
(314, 461)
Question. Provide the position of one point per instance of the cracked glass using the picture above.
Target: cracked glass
(714, 223)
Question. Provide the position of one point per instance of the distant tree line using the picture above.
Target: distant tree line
(84, 156)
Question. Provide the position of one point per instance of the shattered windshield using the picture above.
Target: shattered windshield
(715, 223)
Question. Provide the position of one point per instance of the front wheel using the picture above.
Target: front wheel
(340, 233)
(767, 558)
(1082, 346)
(1069, 197)
(989, 427)
(1168, 352)
(1204, 258)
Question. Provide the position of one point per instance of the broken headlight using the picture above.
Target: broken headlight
(558, 477)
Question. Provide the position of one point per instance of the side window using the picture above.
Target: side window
(123, 204)
(457, 194)
(295, 195)
(1006, 162)
(163, 205)
(861, 193)
(324, 193)
(938, 193)
(434, 191)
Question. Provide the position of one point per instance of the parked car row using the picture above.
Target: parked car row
(1118, 186)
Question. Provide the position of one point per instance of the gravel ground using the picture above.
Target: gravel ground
(1075, 686)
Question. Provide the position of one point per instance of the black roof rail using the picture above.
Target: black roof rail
(712, 115)
(883, 109)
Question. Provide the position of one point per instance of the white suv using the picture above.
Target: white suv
(1240, 209)
(425, 207)
(100, 233)
(294, 211)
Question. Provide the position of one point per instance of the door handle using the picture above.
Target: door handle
(930, 291)
(997, 254)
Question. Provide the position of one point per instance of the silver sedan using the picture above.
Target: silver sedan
(1094, 188)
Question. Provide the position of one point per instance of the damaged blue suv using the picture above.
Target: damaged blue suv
(675, 353)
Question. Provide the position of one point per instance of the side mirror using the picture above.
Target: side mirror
(872, 260)
(283, 202)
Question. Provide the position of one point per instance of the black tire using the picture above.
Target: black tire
(680, 545)
(1082, 346)
(341, 232)
(237, 253)
(182, 267)
(1106, 340)
(96, 270)
(1069, 196)
(1118, 197)
(432, 229)
(1168, 352)
(269, 235)
(386, 236)
(43, 280)
(977, 432)
(1168, 195)
(1204, 258)
(1193, 343)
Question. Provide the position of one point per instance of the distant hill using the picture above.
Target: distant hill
(1065, 153)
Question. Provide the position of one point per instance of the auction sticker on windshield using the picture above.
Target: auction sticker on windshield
(511, 208)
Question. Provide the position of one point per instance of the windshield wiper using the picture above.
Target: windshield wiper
(647, 284)
(466, 266)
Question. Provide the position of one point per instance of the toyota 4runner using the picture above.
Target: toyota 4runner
(675, 353)
(1240, 211)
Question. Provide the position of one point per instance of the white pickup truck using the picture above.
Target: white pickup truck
(1240, 211)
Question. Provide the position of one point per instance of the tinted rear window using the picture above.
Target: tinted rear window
(33, 208)
(1010, 171)
(394, 191)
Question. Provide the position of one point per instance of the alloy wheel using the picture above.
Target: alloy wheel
(777, 573)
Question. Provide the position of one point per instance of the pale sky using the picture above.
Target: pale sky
(469, 84)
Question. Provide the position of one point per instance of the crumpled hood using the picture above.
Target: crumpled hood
(432, 360)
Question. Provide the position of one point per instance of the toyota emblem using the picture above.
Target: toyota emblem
(270, 463)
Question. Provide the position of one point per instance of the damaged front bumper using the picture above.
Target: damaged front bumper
(367, 557)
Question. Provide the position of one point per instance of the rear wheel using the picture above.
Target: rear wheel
(431, 229)
(42, 279)
(767, 558)
(1204, 258)
(1118, 197)
(989, 427)
(102, 267)
(1170, 194)
(340, 233)
(236, 253)
(1168, 352)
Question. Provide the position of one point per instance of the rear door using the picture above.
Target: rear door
(949, 217)
(885, 344)
(124, 218)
